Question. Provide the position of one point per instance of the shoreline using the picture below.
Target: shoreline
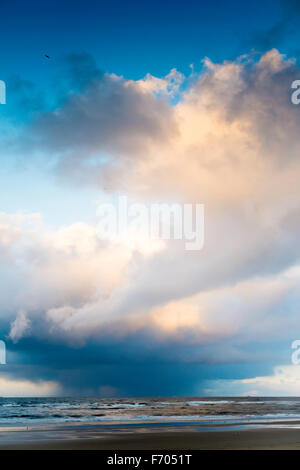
(79, 436)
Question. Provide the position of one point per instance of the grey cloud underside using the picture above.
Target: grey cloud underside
(123, 365)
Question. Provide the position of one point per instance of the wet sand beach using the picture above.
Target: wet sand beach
(142, 438)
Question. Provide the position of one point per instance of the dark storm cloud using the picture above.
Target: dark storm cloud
(136, 365)
(121, 365)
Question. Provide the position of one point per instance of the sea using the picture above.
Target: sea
(192, 410)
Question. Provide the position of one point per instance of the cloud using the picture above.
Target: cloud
(228, 128)
(45, 267)
(285, 382)
(110, 116)
(19, 327)
(25, 388)
(167, 86)
(226, 124)
(227, 138)
(75, 288)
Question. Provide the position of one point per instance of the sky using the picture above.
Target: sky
(186, 102)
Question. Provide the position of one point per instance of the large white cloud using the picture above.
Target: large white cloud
(228, 138)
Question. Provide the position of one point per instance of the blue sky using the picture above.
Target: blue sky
(158, 101)
(132, 38)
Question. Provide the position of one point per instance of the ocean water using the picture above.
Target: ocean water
(205, 411)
